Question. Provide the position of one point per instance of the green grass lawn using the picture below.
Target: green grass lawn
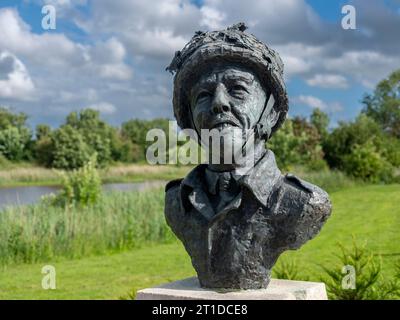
(370, 213)
(101, 277)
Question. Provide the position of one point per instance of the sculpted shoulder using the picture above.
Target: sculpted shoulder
(318, 199)
(173, 183)
(309, 207)
(172, 208)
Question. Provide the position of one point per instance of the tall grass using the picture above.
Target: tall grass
(329, 180)
(119, 221)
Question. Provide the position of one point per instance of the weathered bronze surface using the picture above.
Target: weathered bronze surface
(234, 225)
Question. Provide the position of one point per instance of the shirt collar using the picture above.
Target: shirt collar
(260, 181)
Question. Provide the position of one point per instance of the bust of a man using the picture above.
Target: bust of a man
(233, 221)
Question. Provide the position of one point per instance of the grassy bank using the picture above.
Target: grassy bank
(30, 175)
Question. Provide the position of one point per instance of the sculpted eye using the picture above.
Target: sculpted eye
(203, 95)
(237, 89)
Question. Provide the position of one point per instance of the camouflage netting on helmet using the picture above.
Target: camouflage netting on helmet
(231, 45)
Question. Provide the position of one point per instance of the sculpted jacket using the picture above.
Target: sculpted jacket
(238, 246)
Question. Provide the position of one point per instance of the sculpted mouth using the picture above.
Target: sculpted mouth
(224, 124)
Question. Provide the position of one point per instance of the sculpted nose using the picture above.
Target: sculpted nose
(220, 102)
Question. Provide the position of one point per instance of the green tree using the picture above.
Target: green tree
(122, 149)
(91, 135)
(11, 119)
(135, 130)
(367, 163)
(384, 104)
(285, 145)
(320, 120)
(342, 139)
(15, 135)
(43, 147)
(95, 132)
(13, 143)
(298, 143)
(310, 149)
(70, 150)
(42, 131)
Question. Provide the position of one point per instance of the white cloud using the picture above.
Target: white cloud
(332, 81)
(115, 71)
(15, 81)
(316, 103)
(156, 43)
(63, 69)
(211, 18)
(50, 49)
(125, 46)
(103, 107)
(366, 66)
(311, 101)
(108, 57)
(299, 58)
(53, 51)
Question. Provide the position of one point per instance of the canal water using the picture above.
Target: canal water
(30, 195)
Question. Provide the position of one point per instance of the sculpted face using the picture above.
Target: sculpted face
(228, 99)
(227, 96)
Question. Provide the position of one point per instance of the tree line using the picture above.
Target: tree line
(367, 147)
(72, 144)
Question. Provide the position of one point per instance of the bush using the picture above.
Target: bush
(81, 187)
(367, 163)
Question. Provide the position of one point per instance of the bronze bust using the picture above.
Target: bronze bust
(233, 225)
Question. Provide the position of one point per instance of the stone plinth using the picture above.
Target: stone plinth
(189, 289)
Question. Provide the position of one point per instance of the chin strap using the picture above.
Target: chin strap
(260, 129)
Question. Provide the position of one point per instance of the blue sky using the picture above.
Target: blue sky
(111, 55)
